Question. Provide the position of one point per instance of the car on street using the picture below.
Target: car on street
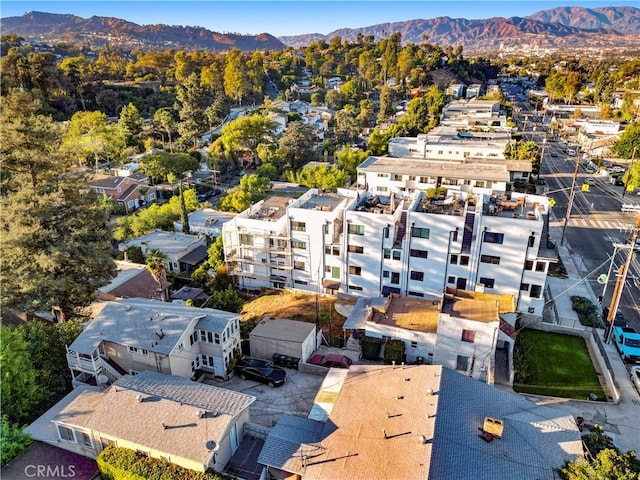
(260, 371)
(541, 181)
(331, 360)
(553, 154)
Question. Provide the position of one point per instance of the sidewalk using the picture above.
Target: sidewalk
(621, 421)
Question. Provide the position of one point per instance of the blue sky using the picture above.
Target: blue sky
(287, 17)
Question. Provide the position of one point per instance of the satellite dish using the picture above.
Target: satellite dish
(102, 379)
(212, 446)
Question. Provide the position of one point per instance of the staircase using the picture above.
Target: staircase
(111, 368)
(467, 236)
(401, 230)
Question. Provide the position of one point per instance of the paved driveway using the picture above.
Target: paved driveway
(295, 396)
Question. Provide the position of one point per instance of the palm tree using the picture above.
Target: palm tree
(156, 264)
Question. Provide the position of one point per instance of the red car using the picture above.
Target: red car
(331, 360)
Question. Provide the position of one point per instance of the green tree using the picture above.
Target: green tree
(386, 104)
(13, 441)
(237, 82)
(297, 144)
(378, 142)
(18, 387)
(157, 265)
(227, 300)
(216, 253)
(164, 118)
(247, 133)
(192, 102)
(184, 215)
(628, 142)
(333, 99)
(321, 176)
(130, 124)
(349, 159)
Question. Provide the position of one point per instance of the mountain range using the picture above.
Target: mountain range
(557, 28)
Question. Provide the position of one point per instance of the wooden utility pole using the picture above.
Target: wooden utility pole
(620, 281)
(633, 158)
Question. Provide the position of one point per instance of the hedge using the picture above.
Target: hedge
(117, 463)
(394, 352)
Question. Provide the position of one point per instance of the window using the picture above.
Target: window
(298, 226)
(395, 278)
(451, 279)
(423, 180)
(138, 351)
(299, 244)
(386, 253)
(528, 265)
(84, 439)
(490, 259)
(298, 265)
(193, 338)
(418, 232)
(419, 276)
(301, 282)
(383, 175)
(325, 229)
(66, 434)
(462, 363)
(355, 287)
(464, 260)
(414, 344)
(412, 178)
(181, 347)
(492, 237)
(396, 254)
(541, 266)
(381, 189)
(356, 229)
(453, 260)
(335, 251)
(532, 241)
(130, 203)
(355, 270)
(335, 272)
(415, 294)
(327, 249)
(524, 287)
(246, 239)
(356, 249)
(216, 338)
(418, 253)
(536, 291)
(386, 273)
(487, 282)
(455, 236)
(468, 335)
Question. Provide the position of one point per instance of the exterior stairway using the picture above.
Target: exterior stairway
(467, 236)
(401, 230)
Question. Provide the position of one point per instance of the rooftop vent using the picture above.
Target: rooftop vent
(139, 398)
(200, 413)
(493, 426)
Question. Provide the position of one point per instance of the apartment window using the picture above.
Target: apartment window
(355, 287)
(492, 237)
(487, 282)
(453, 260)
(462, 363)
(415, 294)
(66, 434)
(300, 282)
(541, 266)
(440, 152)
(335, 251)
(299, 244)
(451, 279)
(414, 344)
(464, 260)
(246, 239)
(396, 254)
(423, 180)
(327, 249)
(418, 253)
(455, 236)
(325, 229)
(356, 229)
(412, 178)
(528, 265)
(490, 259)
(396, 177)
(355, 270)
(419, 276)
(181, 347)
(335, 272)
(468, 335)
(386, 273)
(383, 175)
(216, 338)
(138, 351)
(524, 287)
(298, 265)
(299, 226)
(418, 232)
(356, 249)
(536, 291)
(532, 240)
(382, 189)
(386, 253)
(395, 278)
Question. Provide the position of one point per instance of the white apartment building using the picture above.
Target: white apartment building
(367, 244)
(472, 113)
(386, 175)
(448, 143)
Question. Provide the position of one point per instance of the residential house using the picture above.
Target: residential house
(189, 293)
(376, 241)
(184, 252)
(193, 425)
(459, 329)
(129, 193)
(205, 221)
(280, 119)
(304, 89)
(136, 334)
(133, 280)
(474, 113)
(420, 422)
(287, 337)
(474, 90)
(457, 90)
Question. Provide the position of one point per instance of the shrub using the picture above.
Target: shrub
(13, 441)
(586, 311)
(394, 352)
(116, 463)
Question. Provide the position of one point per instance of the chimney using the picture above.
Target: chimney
(164, 427)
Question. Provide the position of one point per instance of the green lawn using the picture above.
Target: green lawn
(556, 365)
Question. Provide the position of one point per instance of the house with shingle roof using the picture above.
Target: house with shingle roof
(130, 193)
(194, 425)
(420, 422)
(137, 334)
(184, 252)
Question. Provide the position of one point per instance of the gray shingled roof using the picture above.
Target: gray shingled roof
(535, 439)
(290, 434)
(134, 322)
(184, 391)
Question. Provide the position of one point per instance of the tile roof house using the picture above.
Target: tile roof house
(135, 335)
(194, 425)
(421, 422)
(129, 192)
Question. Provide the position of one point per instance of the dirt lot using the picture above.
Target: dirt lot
(295, 306)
